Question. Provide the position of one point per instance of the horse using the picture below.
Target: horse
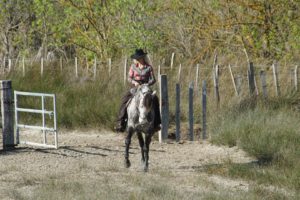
(141, 115)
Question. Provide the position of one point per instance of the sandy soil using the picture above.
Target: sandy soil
(104, 146)
(91, 155)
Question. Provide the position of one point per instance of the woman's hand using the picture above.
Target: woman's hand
(135, 83)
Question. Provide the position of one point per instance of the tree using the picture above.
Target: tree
(14, 18)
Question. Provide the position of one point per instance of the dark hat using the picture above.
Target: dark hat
(139, 53)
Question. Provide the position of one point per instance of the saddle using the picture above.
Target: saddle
(133, 92)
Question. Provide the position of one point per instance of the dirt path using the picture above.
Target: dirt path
(91, 163)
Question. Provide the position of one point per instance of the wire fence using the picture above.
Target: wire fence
(235, 75)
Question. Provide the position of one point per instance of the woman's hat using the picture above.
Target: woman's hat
(139, 53)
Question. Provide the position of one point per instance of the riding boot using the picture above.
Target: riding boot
(121, 121)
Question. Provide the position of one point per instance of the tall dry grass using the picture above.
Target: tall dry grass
(87, 102)
(267, 130)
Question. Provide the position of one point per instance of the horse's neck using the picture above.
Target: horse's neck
(134, 101)
(133, 111)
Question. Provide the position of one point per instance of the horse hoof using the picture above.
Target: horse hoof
(145, 169)
(127, 163)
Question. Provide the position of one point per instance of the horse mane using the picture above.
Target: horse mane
(147, 100)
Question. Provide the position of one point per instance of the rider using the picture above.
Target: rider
(140, 72)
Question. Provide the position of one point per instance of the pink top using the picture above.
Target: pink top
(144, 75)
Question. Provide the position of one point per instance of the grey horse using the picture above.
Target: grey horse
(140, 120)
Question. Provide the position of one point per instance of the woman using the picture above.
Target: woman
(140, 72)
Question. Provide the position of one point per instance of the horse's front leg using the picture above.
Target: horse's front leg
(127, 145)
(142, 143)
(146, 151)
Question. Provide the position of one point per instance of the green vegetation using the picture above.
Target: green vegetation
(191, 28)
(80, 102)
(268, 130)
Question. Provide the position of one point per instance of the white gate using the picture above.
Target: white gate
(41, 111)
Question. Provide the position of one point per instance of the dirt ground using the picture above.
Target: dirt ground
(89, 165)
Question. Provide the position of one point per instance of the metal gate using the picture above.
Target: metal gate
(41, 111)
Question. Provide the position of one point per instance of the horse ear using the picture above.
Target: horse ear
(154, 93)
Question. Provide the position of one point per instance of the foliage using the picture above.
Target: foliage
(191, 28)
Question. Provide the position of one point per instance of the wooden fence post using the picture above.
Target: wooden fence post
(125, 71)
(238, 81)
(179, 74)
(172, 60)
(251, 78)
(7, 114)
(109, 66)
(23, 65)
(148, 56)
(61, 64)
(296, 77)
(197, 80)
(263, 83)
(42, 66)
(158, 72)
(9, 65)
(95, 68)
(204, 106)
(292, 77)
(87, 64)
(191, 112)
(17, 63)
(216, 84)
(177, 112)
(4, 63)
(233, 81)
(256, 87)
(215, 59)
(276, 82)
(163, 62)
(76, 67)
(164, 105)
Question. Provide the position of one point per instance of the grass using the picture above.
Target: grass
(81, 102)
(136, 186)
(268, 131)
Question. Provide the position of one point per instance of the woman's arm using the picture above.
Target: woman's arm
(131, 77)
(152, 79)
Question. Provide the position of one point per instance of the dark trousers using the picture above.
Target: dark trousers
(122, 116)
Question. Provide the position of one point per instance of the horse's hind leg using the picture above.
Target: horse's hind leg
(141, 141)
(146, 151)
(127, 144)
